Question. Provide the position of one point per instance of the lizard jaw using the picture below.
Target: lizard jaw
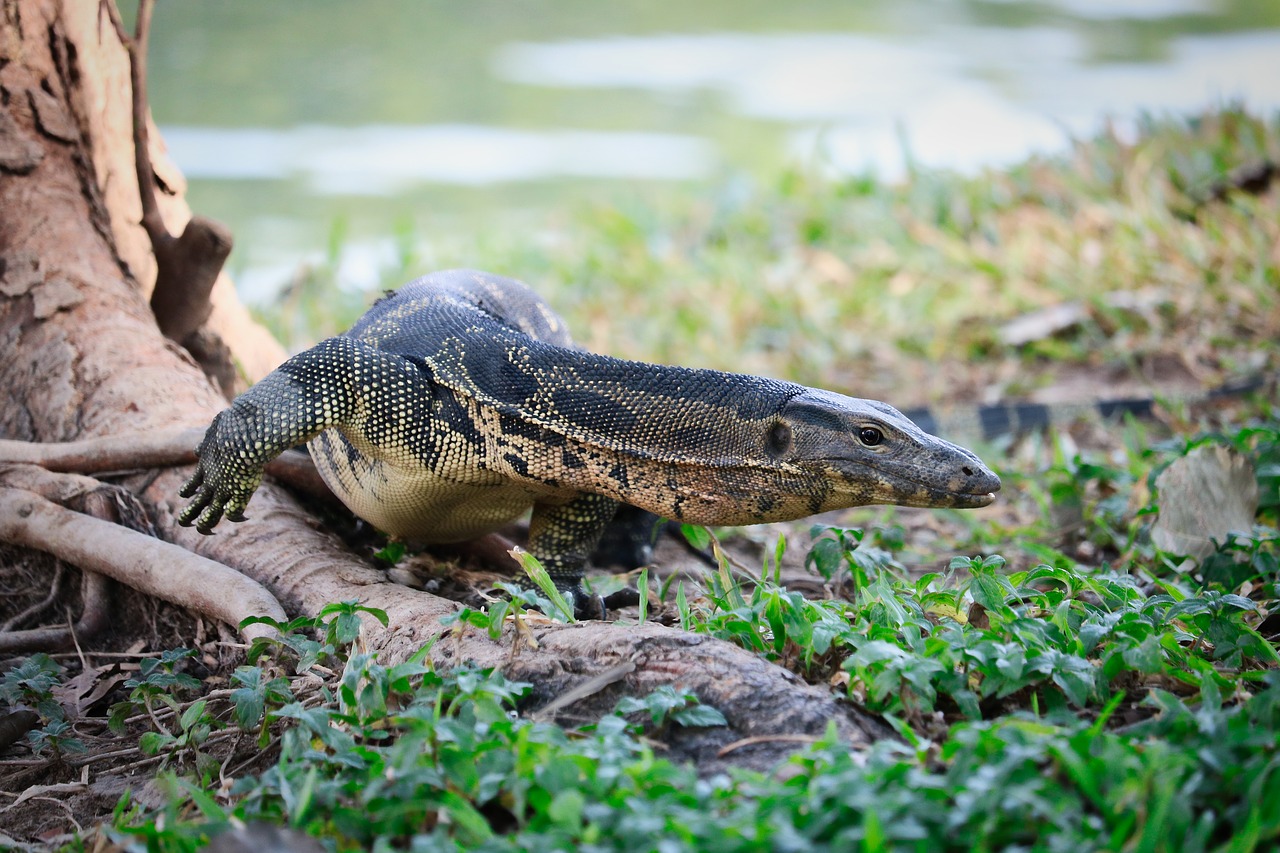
(976, 488)
(969, 500)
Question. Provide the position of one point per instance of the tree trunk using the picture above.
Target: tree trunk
(81, 356)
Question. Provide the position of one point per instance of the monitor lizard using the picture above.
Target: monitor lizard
(459, 402)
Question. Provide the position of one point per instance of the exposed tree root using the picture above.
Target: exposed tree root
(55, 590)
(762, 702)
(148, 565)
(144, 450)
(110, 453)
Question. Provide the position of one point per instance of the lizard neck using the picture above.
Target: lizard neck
(685, 443)
(642, 410)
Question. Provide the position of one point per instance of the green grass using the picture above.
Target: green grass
(897, 292)
(1057, 683)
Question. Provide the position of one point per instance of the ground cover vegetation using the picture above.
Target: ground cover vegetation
(1052, 675)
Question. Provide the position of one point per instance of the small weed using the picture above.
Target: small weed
(546, 585)
(666, 704)
(30, 684)
(159, 685)
(57, 737)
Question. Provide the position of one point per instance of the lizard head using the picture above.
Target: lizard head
(868, 452)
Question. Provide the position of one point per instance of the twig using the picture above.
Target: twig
(55, 588)
(97, 654)
(256, 757)
(117, 23)
(155, 721)
(96, 757)
(751, 741)
(152, 221)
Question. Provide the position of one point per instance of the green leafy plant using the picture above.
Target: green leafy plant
(159, 684)
(539, 575)
(666, 704)
(31, 684)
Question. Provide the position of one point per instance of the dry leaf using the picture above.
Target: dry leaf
(1205, 495)
(89, 687)
(1042, 324)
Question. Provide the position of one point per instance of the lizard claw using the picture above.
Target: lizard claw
(223, 481)
(209, 519)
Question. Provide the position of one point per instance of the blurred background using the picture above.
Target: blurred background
(352, 134)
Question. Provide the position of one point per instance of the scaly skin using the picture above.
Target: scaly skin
(458, 403)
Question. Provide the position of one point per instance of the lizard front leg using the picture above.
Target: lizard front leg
(312, 391)
(562, 537)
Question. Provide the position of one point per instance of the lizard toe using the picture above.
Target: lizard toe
(209, 518)
(194, 509)
(190, 487)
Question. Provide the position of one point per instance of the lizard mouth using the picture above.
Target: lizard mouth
(972, 500)
(925, 491)
(978, 492)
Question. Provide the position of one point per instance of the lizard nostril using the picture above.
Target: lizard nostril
(967, 470)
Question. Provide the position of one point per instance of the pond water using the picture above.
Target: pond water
(395, 116)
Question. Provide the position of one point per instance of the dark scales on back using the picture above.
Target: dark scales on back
(458, 403)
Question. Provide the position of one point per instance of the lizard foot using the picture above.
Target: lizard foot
(588, 605)
(224, 480)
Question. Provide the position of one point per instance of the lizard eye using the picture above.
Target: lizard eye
(870, 436)
(778, 441)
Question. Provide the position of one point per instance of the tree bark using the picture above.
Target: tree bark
(81, 357)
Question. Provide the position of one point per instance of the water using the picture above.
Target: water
(393, 158)
(495, 115)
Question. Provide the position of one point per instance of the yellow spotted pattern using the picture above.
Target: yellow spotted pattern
(459, 402)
